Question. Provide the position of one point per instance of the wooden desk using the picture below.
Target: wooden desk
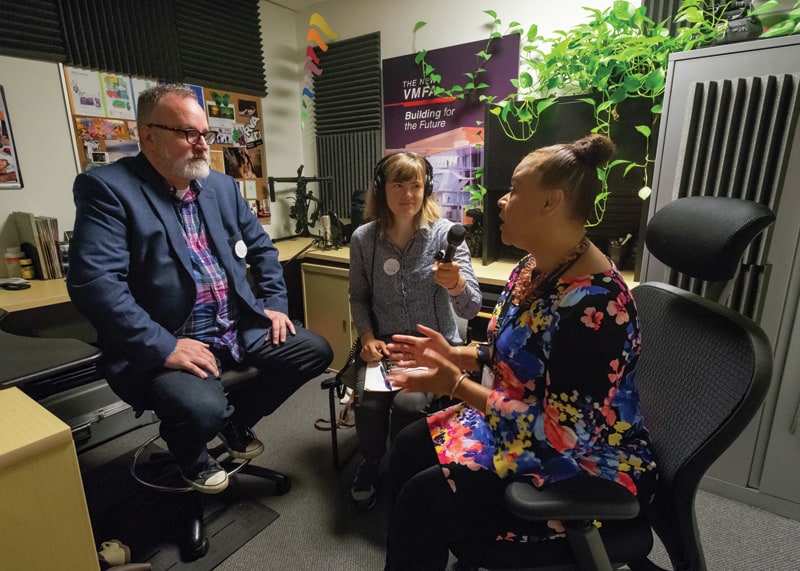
(44, 521)
(40, 294)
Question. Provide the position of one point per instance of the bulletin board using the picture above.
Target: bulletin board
(102, 109)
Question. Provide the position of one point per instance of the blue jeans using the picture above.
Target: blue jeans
(193, 410)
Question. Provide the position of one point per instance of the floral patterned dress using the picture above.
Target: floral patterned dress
(564, 398)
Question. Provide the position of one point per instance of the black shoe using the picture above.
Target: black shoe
(208, 478)
(363, 491)
(241, 443)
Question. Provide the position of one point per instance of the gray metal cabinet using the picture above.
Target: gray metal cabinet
(730, 128)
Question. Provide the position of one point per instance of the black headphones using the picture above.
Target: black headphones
(379, 176)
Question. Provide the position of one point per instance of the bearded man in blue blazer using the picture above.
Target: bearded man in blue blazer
(159, 263)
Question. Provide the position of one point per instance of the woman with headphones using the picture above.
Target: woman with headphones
(395, 283)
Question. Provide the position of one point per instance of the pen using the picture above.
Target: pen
(384, 374)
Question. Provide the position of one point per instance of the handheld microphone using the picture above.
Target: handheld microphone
(455, 236)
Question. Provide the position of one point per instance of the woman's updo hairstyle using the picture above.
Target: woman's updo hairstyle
(572, 167)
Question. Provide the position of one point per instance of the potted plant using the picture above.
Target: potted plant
(617, 55)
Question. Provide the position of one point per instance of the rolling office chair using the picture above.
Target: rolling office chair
(161, 473)
(703, 374)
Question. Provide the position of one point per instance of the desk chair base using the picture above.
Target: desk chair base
(166, 477)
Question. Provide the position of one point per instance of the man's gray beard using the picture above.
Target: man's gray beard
(186, 168)
(191, 169)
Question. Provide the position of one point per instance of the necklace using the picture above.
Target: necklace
(532, 282)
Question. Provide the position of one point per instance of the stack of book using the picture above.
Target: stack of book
(39, 238)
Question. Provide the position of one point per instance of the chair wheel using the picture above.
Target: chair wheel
(195, 552)
(282, 484)
(196, 546)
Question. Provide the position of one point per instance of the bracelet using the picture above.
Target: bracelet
(458, 383)
(450, 290)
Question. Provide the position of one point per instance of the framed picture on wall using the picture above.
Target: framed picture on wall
(10, 176)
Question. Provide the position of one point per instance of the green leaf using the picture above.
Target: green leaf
(544, 104)
(622, 9)
(644, 130)
(765, 7)
(619, 96)
(525, 79)
(645, 192)
(533, 31)
(420, 56)
(524, 115)
(783, 28)
(656, 80)
(631, 84)
(419, 25)
(491, 13)
(435, 77)
(656, 109)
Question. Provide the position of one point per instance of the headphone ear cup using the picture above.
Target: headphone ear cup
(428, 188)
(379, 178)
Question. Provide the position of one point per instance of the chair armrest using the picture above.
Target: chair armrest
(579, 498)
(329, 383)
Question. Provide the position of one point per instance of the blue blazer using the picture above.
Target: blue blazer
(129, 267)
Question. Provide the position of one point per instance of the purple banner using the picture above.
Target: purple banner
(411, 111)
(447, 130)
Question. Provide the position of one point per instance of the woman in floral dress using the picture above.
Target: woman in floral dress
(558, 395)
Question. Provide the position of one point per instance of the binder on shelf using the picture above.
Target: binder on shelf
(38, 236)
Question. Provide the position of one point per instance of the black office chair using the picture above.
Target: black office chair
(154, 468)
(703, 374)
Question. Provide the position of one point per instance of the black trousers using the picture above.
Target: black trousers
(427, 516)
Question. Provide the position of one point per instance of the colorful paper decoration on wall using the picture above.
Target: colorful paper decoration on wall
(316, 25)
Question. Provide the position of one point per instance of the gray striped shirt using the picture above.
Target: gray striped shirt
(392, 291)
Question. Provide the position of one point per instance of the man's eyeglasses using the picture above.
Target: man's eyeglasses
(192, 135)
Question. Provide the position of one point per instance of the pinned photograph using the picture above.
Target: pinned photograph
(248, 108)
(10, 176)
(217, 161)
